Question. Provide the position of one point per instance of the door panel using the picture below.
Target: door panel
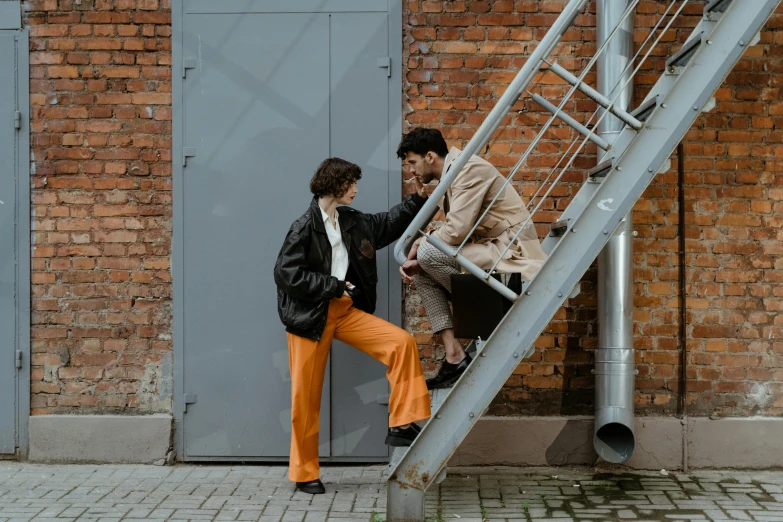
(258, 116)
(8, 251)
(360, 133)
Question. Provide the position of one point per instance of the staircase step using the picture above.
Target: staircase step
(581, 129)
(559, 228)
(601, 170)
(716, 6)
(683, 56)
(644, 110)
(596, 96)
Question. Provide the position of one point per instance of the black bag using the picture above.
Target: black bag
(477, 308)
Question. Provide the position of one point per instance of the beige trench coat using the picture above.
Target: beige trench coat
(466, 200)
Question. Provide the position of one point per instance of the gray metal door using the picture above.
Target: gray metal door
(267, 96)
(7, 243)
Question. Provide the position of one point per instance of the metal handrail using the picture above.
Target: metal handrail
(585, 140)
(556, 114)
(509, 98)
(630, 63)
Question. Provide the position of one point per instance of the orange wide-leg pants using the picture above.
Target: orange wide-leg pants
(393, 346)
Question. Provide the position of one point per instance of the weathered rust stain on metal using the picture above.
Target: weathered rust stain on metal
(413, 478)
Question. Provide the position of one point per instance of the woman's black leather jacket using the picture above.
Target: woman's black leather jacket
(303, 268)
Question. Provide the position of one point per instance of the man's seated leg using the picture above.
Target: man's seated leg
(434, 285)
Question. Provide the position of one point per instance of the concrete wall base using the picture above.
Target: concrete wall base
(119, 439)
(751, 443)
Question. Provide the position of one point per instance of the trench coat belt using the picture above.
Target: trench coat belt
(502, 225)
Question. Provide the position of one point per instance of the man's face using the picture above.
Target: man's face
(420, 166)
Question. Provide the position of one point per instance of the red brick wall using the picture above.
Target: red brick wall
(460, 55)
(101, 111)
(100, 92)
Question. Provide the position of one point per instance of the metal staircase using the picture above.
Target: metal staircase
(651, 133)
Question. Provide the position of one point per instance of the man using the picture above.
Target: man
(426, 156)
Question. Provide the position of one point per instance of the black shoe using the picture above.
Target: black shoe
(448, 374)
(314, 487)
(402, 436)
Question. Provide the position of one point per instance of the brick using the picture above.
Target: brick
(94, 359)
(151, 99)
(66, 71)
(503, 48)
(95, 44)
(119, 72)
(152, 18)
(455, 47)
(501, 20)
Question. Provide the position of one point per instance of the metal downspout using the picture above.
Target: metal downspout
(613, 437)
(683, 390)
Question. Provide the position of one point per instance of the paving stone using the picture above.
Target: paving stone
(233, 493)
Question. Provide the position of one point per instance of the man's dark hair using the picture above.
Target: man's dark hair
(421, 141)
(333, 177)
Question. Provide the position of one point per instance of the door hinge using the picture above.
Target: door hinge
(18, 359)
(188, 63)
(385, 63)
(17, 120)
(190, 398)
(187, 152)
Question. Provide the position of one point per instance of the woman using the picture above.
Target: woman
(326, 276)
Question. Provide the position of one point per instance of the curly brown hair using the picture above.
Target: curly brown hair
(333, 177)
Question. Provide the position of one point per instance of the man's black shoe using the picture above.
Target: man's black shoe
(402, 436)
(314, 487)
(448, 374)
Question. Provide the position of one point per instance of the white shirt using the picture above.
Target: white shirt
(339, 252)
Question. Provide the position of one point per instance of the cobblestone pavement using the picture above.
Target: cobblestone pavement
(215, 492)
